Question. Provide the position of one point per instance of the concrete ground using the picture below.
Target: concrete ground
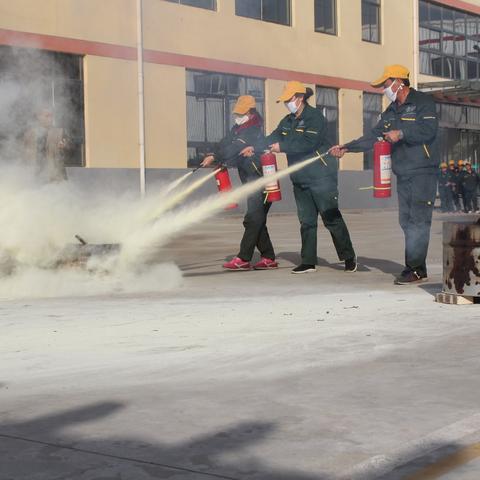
(251, 375)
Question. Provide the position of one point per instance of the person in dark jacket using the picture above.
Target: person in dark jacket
(470, 182)
(248, 129)
(301, 135)
(45, 147)
(446, 204)
(454, 175)
(410, 124)
(460, 172)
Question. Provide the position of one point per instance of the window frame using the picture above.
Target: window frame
(262, 19)
(329, 108)
(334, 19)
(61, 72)
(377, 4)
(228, 100)
(180, 2)
(453, 25)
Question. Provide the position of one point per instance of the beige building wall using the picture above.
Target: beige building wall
(111, 113)
(165, 116)
(350, 103)
(222, 35)
(110, 21)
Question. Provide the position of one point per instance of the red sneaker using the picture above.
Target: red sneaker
(266, 264)
(237, 264)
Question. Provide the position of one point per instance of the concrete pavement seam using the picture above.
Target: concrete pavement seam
(117, 457)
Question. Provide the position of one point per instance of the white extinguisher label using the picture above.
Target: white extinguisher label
(267, 171)
(385, 169)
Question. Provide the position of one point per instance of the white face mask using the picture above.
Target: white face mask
(292, 106)
(390, 94)
(241, 120)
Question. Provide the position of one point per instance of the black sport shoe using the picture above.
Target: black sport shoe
(303, 268)
(351, 265)
(410, 277)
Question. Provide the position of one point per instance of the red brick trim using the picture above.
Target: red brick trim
(84, 47)
(66, 45)
(460, 5)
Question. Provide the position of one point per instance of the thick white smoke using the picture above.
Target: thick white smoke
(39, 222)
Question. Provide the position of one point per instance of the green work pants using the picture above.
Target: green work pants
(321, 199)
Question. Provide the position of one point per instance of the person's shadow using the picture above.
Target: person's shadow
(385, 266)
(363, 262)
(44, 449)
(53, 452)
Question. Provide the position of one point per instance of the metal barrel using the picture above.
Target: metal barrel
(461, 258)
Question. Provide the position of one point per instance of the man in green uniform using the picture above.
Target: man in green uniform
(410, 124)
(302, 134)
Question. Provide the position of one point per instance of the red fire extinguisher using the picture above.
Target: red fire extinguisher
(224, 185)
(269, 167)
(382, 169)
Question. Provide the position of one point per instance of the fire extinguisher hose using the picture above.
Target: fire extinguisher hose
(374, 188)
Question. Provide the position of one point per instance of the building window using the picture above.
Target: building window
(210, 100)
(208, 4)
(449, 42)
(276, 11)
(33, 80)
(327, 102)
(371, 21)
(372, 109)
(326, 16)
(459, 135)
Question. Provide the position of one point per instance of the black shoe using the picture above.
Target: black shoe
(303, 268)
(410, 277)
(351, 265)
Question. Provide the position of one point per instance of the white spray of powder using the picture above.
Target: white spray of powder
(144, 244)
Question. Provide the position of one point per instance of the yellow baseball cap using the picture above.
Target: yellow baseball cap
(451, 162)
(290, 89)
(460, 162)
(392, 71)
(443, 165)
(244, 104)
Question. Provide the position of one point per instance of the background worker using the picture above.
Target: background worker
(410, 124)
(45, 147)
(460, 171)
(446, 203)
(302, 134)
(247, 130)
(470, 182)
(454, 188)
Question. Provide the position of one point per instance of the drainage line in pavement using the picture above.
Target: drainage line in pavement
(117, 457)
